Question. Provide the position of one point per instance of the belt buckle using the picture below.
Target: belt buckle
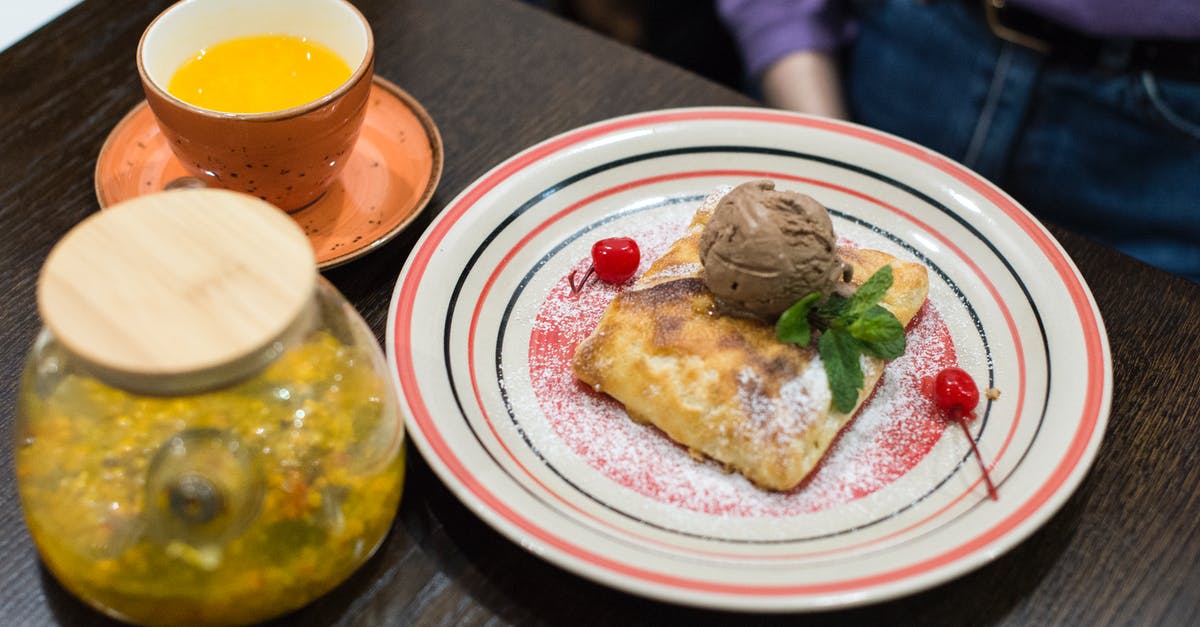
(992, 11)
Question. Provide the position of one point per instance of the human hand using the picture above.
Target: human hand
(805, 81)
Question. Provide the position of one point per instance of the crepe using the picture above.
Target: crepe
(724, 386)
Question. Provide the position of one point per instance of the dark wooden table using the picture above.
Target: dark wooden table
(497, 77)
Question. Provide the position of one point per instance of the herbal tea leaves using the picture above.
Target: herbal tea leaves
(851, 327)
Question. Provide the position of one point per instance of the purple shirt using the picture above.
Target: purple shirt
(766, 30)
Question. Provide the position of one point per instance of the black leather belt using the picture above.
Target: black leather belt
(1177, 58)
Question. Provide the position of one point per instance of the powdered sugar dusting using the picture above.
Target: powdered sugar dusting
(678, 271)
(787, 415)
(894, 430)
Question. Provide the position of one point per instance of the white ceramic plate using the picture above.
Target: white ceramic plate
(481, 330)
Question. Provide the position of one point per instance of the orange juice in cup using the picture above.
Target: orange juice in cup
(259, 73)
(264, 97)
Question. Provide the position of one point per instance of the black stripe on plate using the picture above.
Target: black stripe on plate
(595, 499)
(550, 191)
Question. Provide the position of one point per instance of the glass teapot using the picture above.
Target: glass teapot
(206, 429)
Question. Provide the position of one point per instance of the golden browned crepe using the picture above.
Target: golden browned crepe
(724, 386)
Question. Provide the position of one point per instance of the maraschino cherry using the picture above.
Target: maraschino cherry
(954, 392)
(614, 260)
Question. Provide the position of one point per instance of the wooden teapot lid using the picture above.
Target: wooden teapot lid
(177, 289)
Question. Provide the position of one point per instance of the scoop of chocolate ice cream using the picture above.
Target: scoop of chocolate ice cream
(764, 249)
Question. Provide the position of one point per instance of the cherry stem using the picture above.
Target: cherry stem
(575, 289)
(957, 416)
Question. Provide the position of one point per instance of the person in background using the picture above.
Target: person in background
(1086, 111)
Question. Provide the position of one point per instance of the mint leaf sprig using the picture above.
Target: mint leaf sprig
(850, 327)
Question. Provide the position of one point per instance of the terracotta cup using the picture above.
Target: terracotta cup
(287, 157)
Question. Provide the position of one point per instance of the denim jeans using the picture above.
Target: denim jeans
(1111, 155)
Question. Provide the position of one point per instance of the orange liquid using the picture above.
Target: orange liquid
(259, 73)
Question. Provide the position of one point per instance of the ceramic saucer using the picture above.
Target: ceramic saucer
(387, 183)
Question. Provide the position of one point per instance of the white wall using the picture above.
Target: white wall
(18, 18)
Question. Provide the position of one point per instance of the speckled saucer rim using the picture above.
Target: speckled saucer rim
(418, 111)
